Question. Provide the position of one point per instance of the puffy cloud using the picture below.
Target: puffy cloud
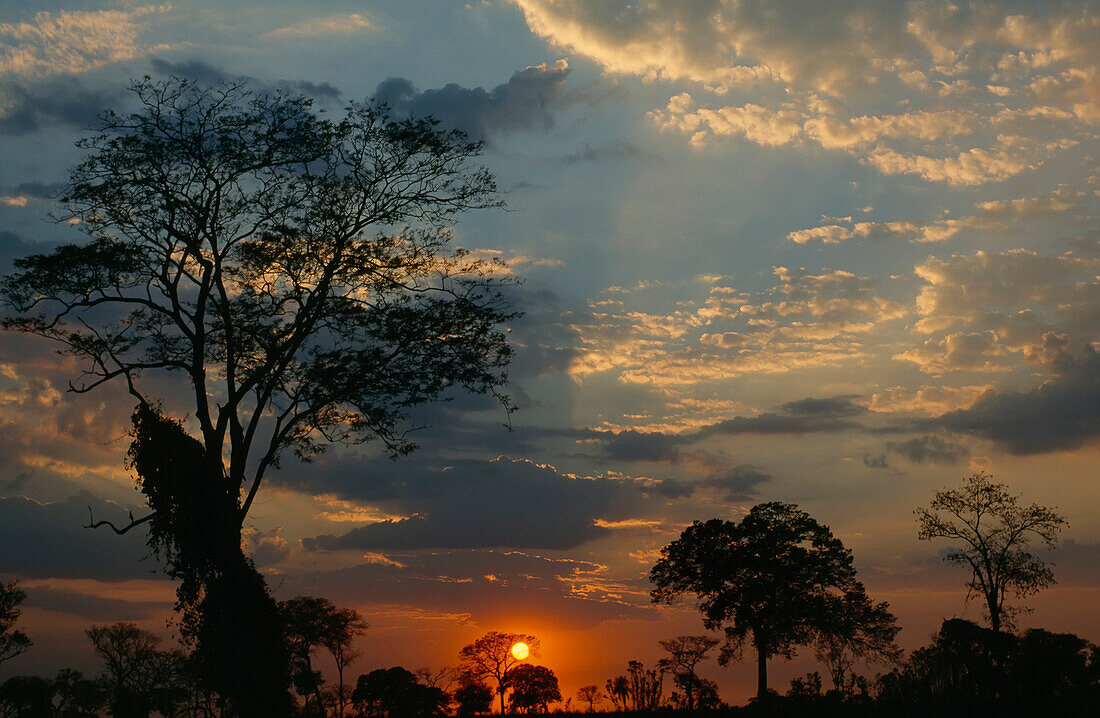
(526, 102)
(1062, 413)
(963, 351)
(986, 91)
(73, 41)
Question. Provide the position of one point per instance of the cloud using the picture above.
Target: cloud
(1062, 413)
(342, 24)
(47, 540)
(490, 588)
(964, 94)
(209, 74)
(30, 105)
(73, 41)
(476, 504)
(526, 102)
(929, 449)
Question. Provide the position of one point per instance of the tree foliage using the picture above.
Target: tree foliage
(778, 579)
(490, 658)
(534, 688)
(396, 693)
(12, 641)
(993, 534)
(297, 276)
(684, 654)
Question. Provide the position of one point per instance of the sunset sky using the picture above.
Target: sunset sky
(840, 254)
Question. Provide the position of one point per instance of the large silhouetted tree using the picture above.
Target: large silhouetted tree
(296, 275)
(993, 534)
(12, 642)
(775, 579)
(490, 658)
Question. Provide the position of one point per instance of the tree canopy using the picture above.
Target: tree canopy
(776, 579)
(993, 534)
(295, 277)
(490, 658)
(12, 641)
(534, 688)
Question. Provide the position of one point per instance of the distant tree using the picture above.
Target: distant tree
(618, 691)
(304, 622)
(592, 695)
(77, 696)
(444, 678)
(140, 678)
(27, 697)
(396, 693)
(534, 688)
(473, 698)
(646, 685)
(489, 658)
(12, 642)
(860, 630)
(684, 654)
(297, 275)
(994, 534)
(775, 578)
(342, 626)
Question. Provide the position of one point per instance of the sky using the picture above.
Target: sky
(836, 254)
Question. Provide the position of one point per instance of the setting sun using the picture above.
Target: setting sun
(520, 651)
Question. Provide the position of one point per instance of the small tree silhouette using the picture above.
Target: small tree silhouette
(490, 658)
(12, 642)
(590, 695)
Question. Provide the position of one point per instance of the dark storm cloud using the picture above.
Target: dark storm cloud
(928, 450)
(739, 484)
(50, 541)
(33, 105)
(474, 504)
(1063, 413)
(526, 102)
(805, 416)
(209, 74)
(93, 608)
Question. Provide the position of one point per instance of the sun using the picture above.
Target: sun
(520, 651)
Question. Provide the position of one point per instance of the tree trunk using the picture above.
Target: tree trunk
(761, 674)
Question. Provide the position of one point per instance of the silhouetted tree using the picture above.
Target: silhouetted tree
(618, 691)
(645, 685)
(27, 697)
(304, 622)
(12, 642)
(775, 578)
(139, 677)
(297, 273)
(995, 533)
(341, 627)
(684, 654)
(590, 695)
(77, 696)
(489, 658)
(859, 630)
(473, 698)
(534, 688)
(396, 693)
